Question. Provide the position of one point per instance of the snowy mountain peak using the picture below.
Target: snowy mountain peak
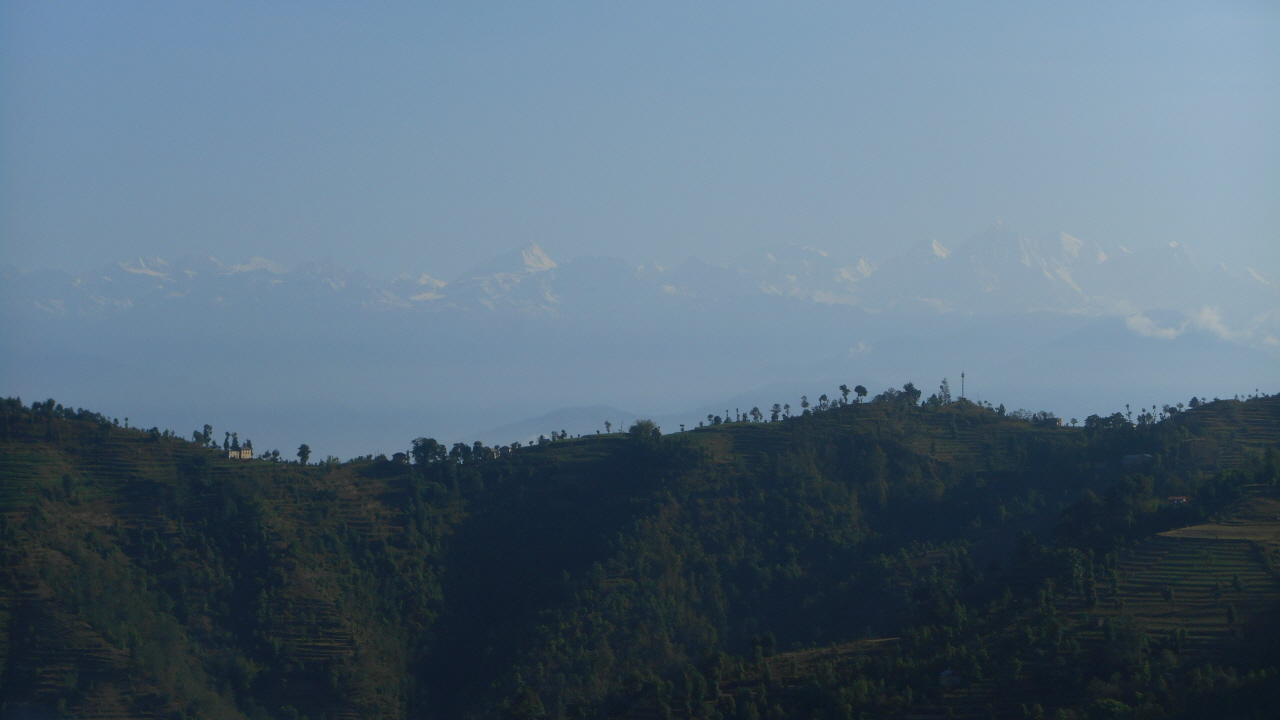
(1070, 245)
(259, 263)
(142, 269)
(535, 260)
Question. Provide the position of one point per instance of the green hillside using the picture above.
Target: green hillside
(880, 559)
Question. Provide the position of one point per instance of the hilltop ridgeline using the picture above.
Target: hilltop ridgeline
(879, 559)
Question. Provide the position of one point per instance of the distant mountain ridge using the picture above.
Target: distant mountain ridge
(995, 272)
(342, 360)
(573, 421)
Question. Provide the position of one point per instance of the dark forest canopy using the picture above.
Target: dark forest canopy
(891, 557)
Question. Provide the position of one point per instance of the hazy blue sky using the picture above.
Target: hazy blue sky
(426, 136)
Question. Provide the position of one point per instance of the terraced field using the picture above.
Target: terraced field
(1190, 578)
(1214, 582)
(118, 484)
(1257, 520)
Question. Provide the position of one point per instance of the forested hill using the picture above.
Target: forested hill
(879, 559)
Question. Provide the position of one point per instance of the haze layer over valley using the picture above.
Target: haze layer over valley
(525, 344)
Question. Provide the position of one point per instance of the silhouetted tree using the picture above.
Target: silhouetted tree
(860, 391)
(844, 394)
(911, 393)
(644, 430)
(427, 450)
(774, 412)
(940, 398)
(203, 437)
(304, 453)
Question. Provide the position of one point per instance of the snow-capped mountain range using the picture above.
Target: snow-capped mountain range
(349, 363)
(999, 271)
